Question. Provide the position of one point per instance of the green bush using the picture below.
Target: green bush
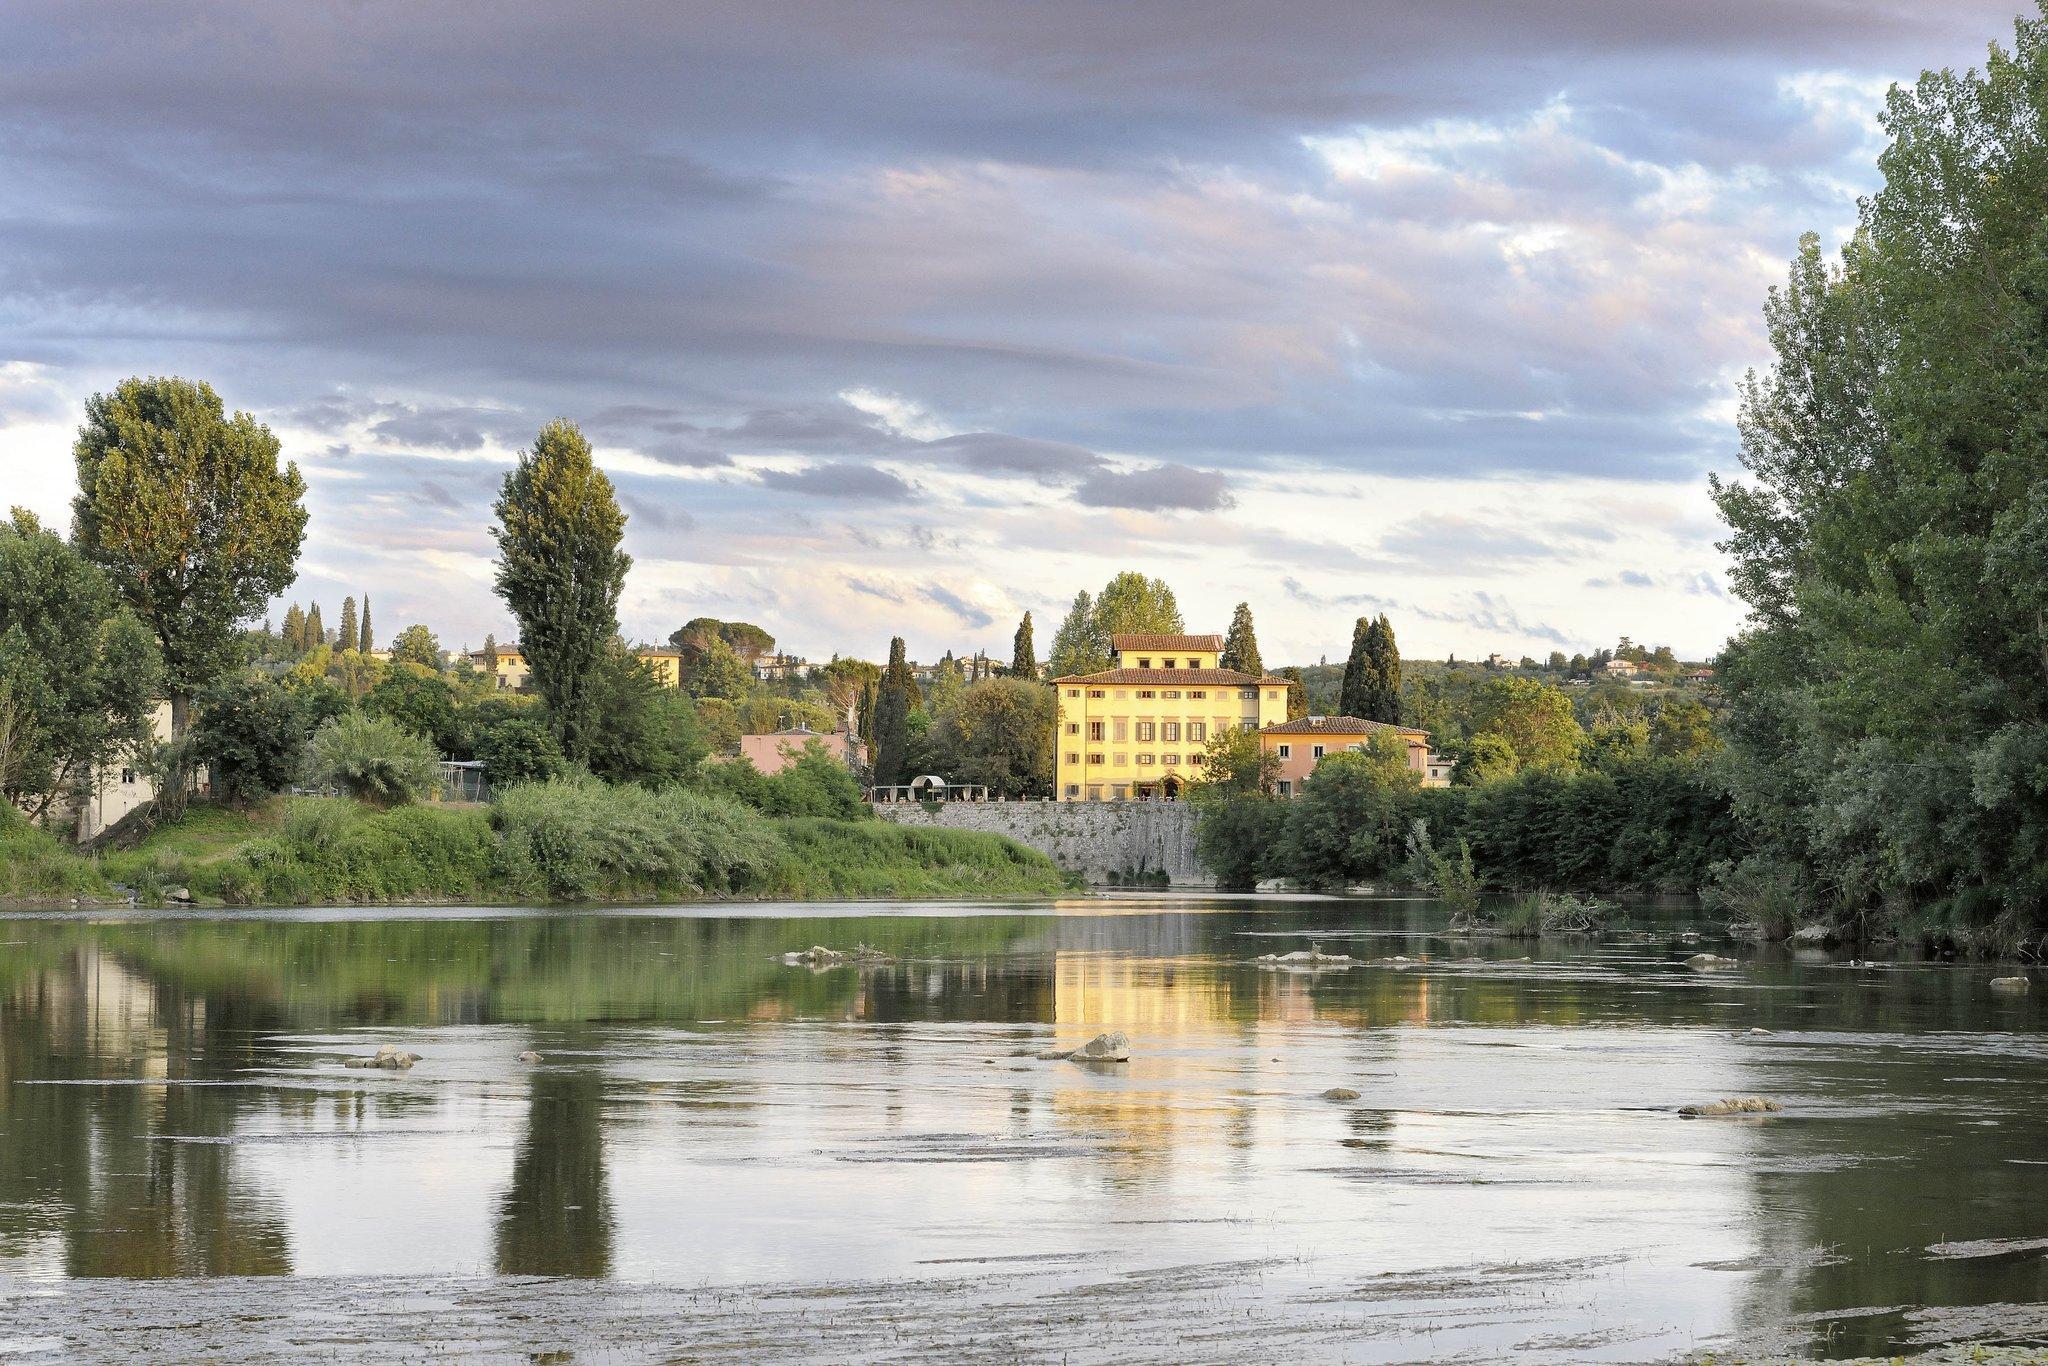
(828, 859)
(34, 865)
(572, 838)
(372, 759)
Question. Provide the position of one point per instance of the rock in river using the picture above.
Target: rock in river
(1733, 1105)
(390, 1056)
(2010, 984)
(1340, 1093)
(529, 1056)
(1113, 1047)
(1707, 962)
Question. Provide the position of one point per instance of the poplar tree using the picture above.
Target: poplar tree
(1241, 645)
(364, 640)
(347, 636)
(892, 717)
(295, 629)
(560, 571)
(191, 515)
(1023, 653)
(316, 633)
(1075, 647)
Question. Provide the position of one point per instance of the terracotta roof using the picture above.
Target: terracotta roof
(1333, 725)
(1213, 644)
(1173, 677)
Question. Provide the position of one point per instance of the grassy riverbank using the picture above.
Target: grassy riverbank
(552, 842)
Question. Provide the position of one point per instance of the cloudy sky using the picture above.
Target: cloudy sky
(910, 316)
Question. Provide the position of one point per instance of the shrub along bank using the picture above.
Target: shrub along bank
(561, 840)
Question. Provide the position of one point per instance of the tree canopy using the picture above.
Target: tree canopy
(189, 511)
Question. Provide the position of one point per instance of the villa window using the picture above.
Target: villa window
(1197, 760)
(1169, 731)
(127, 775)
(1198, 731)
(1095, 692)
(1146, 731)
(1095, 758)
(1073, 789)
(1123, 729)
(1197, 694)
(1174, 693)
(1316, 753)
(1122, 759)
(1169, 758)
(1144, 761)
(1146, 692)
(1073, 758)
(1286, 788)
(1272, 696)
(1119, 791)
(1166, 664)
(1144, 663)
(1073, 692)
(1287, 751)
(1095, 731)
(1073, 727)
(1247, 724)
(1248, 694)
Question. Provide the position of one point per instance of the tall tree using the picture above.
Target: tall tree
(1353, 697)
(1382, 697)
(295, 629)
(416, 645)
(560, 571)
(346, 636)
(365, 641)
(189, 511)
(1076, 648)
(76, 668)
(1023, 653)
(316, 630)
(892, 717)
(1130, 604)
(999, 733)
(1241, 645)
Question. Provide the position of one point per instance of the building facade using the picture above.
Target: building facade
(1141, 728)
(1299, 745)
(511, 672)
(777, 750)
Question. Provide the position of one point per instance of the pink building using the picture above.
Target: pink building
(777, 750)
(1302, 743)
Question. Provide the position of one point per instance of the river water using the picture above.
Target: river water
(723, 1155)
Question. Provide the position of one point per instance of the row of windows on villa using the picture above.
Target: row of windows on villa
(1141, 760)
(1171, 732)
(1192, 694)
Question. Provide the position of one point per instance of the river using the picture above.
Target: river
(722, 1155)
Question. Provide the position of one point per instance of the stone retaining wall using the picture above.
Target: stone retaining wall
(1099, 840)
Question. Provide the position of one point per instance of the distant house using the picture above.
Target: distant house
(116, 789)
(1700, 675)
(777, 750)
(1621, 668)
(512, 672)
(666, 664)
(775, 667)
(1497, 661)
(1299, 745)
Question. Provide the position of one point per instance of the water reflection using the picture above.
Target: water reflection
(171, 1104)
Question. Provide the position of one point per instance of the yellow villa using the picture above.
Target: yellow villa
(1141, 728)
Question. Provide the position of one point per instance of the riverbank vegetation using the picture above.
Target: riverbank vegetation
(556, 841)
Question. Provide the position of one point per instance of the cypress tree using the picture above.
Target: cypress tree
(364, 640)
(316, 634)
(1351, 697)
(295, 629)
(346, 639)
(560, 570)
(1241, 646)
(1023, 652)
(1383, 697)
(892, 717)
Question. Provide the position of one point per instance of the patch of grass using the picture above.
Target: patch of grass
(1541, 913)
(831, 860)
(36, 866)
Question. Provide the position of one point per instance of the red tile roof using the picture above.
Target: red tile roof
(1167, 678)
(1334, 725)
(1213, 644)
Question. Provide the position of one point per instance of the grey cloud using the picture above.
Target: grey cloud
(855, 483)
(997, 453)
(1487, 612)
(965, 612)
(1159, 488)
